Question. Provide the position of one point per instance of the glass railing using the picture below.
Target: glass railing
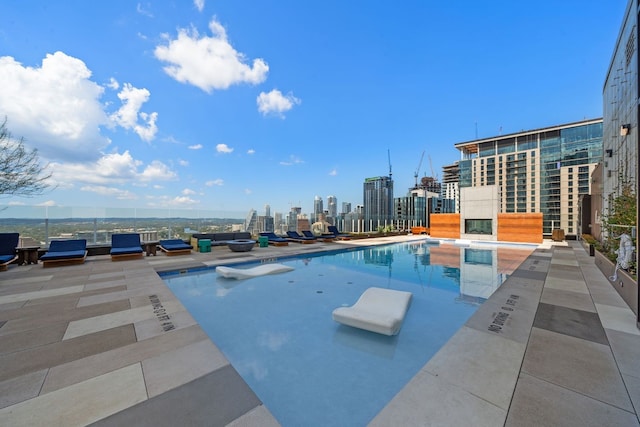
(38, 225)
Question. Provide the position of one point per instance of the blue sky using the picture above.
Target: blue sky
(230, 105)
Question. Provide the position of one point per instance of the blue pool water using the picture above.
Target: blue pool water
(278, 333)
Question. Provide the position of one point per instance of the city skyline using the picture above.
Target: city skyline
(213, 106)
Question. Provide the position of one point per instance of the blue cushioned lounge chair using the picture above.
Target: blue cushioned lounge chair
(175, 247)
(337, 234)
(323, 237)
(294, 236)
(125, 246)
(64, 252)
(8, 244)
(274, 239)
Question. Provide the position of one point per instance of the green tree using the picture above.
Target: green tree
(21, 173)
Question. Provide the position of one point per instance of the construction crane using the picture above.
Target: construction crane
(433, 175)
(415, 175)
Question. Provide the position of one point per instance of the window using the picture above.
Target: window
(478, 226)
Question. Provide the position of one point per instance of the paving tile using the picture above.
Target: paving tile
(46, 356)
(626, 350)
(53, 313)
(567, 272)
(180, 366)
(5, 299)
(24, 280)
(576, 300)
(32, 338)
(569, 321)
(259, 416)
(506, 317)
(538, 403)
(429, 400)
(570, 261)
(82, 403)
(482, 364)
(633, 387)
(111, 359)
(18, 389)
(618, 318)
(213, 400)
(528, 274)
(582, 366)
(151, 327)
(571, 285)
(107, 321)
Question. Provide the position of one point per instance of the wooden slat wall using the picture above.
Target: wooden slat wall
(520, 227)
(445, 226)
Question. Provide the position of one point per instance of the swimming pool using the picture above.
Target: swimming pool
(278, 333)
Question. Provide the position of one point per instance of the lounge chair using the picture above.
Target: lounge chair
(125, 246)
(274, 239)
(322, 237)
(175, 247)
(333, 230)
(294, 236)
(8, 244)
(65, 252)
(377, 310)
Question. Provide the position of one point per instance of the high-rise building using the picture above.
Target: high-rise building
(318, 208)
(450, 191)
(332, 206)
(346, 207)
(267, 210)
(378, 202)
(543, 170)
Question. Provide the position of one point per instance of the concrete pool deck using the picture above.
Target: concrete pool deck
(108, 343)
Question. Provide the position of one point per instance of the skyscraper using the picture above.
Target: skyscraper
(318, 208)
(378, 202)
(332, 207)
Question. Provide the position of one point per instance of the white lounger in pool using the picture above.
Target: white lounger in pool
(377, 310)
(247, 273)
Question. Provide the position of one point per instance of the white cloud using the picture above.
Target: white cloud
(293, 160)
(211, 183)
(195, 147)
(58, 108)
(223, 148)
(208, 62)
(333, 172)
(183, 163)
(113, 84)
(47, 203)
(55, 107)
(251, 151)
(276, 103)
(199, 4)
(165, 201)
(157, 171)
(109, 170)
(110, 191)
(247, 191)
(127, 116)
(144, 10)
(188, 192)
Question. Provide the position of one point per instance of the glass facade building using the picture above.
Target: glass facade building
(543, 170)
(378, 202)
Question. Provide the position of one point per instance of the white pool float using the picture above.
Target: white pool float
(377, 310)
(248, 273)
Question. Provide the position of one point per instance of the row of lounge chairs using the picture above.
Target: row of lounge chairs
(306, 237)
(74, 251)
(128, 246)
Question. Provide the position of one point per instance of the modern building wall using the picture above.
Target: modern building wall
(542, 170)
(479, 208)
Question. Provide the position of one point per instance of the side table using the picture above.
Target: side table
(28, 254)
(150, 247)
